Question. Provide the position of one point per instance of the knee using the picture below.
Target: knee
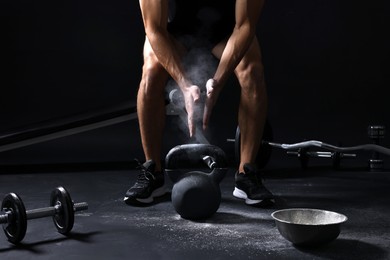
(153, 81)
(251, 79)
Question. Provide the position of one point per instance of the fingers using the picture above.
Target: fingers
(210, 101)
(190, 116)
(191, 126)
(191, 102)
(193, 97)
(195, 93)
(206, 115)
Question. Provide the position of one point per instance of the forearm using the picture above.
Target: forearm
(168, 55)
(234, 51)
(155, 18)
(247, 14)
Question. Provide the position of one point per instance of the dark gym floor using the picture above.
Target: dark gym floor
(109, 229)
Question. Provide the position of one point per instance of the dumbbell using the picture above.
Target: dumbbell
(375, 133)
(303, 155)
(14, 217)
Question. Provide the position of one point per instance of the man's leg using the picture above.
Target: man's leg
(151, 116)
(251, 119)
(253, 104)
(253, 101)
(151, 105)
(252, 114)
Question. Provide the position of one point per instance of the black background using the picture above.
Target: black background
(326, 64)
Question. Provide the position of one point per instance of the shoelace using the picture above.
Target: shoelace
(144, 176)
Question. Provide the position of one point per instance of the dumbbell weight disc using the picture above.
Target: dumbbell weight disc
(15, 229)
(64, 220)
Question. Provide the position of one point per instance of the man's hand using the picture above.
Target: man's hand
(212, 93)
(191, 98)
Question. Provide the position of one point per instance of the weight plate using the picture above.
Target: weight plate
(265, 150)
(15, 229)
(64, 219)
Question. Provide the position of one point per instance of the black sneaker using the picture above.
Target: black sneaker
(250, 188)
(149, 185)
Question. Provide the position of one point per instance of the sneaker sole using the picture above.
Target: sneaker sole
(240, 194)
(156, 193)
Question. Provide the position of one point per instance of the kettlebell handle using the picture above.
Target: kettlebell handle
(217, 174)
(210, 162)
(191, 156)
(182, 158)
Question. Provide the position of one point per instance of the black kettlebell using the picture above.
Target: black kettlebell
(196, 194)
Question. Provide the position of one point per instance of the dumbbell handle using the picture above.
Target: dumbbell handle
(320, 154)
(315, 143)
(51, 211)
(45, 212)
